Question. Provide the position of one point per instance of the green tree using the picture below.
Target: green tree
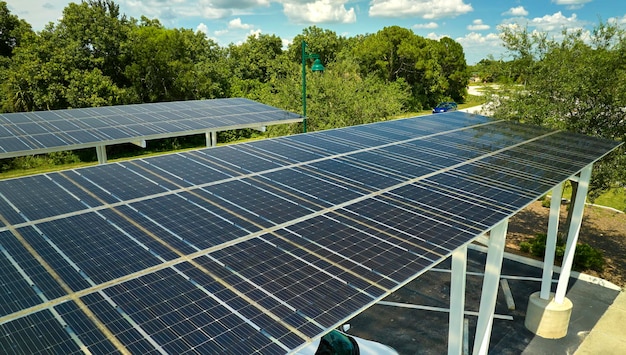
(12, 31)
(164, 63)
(434, 70)
(454, 68)
(325, 43)
(588, 95)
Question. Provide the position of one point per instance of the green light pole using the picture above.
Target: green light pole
(317, 66)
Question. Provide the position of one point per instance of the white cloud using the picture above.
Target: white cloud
(555, 21)
(516, 11)
(318, 11)
(430, 25)
(571, 4)
(435, 37)
(618, 20)
(478, 46)
(254, 33)
(203, 28)
(236, 24)
(478, 25)
(427, 9)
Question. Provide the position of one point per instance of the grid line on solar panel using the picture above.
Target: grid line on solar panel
(58, 278)
(37, 333)
(477, 191)
(155, 293)
(453, 239)
(87, 127)
(293, 281)
(379, 180)
(493, 175)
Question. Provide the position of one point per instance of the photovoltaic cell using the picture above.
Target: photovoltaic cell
(45, 131)
(37, 333)
(255, 247)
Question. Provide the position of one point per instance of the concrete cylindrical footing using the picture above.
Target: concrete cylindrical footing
(547, 318)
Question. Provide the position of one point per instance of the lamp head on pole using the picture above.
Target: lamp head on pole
(317, 66)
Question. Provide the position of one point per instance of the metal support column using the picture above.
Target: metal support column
(572, 235)
(101, 152)
(211, 139)
(489, 293)
(553, 229)
(457, 301)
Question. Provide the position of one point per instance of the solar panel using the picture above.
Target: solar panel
(27, 133)
(262, 246)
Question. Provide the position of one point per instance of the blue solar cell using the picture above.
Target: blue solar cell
(284, 150)
(36, 333)
(311, 183)
(359, 176)
(190, 169)
(115, 182)
(27, 262)
(36, 197)
(89, 334)
(113, 319)
(93, 244)
(202, 314)
(192, 226)
(271, 205)
(15, 292)
(14, 144)
(338, 236)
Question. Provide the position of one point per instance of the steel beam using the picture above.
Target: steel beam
(489, 294)
(457, 301)
(553, 229)
(572, 235)
(101, 152)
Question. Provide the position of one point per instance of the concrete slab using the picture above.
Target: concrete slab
(608, 335)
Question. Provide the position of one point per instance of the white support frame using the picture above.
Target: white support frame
(101, 152)
(140, 143)
(572, 235)
(211, 139)
(553, 229)
(457, 301)
(489, 295)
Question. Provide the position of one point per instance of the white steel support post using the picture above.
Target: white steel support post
(572, 235)
(211, 139)
(489, 294)
(553, 228)
(457, 301)
(101, 152)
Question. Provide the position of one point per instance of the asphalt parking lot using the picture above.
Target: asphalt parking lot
(424, 330)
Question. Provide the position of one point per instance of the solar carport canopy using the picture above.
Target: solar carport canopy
(262, 246)
(26, 133)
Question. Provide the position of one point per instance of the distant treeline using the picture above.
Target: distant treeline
(94, 56)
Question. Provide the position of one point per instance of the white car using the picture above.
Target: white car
(340, 343)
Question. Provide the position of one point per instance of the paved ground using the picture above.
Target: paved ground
(417, 331)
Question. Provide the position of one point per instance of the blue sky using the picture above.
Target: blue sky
(473, 23)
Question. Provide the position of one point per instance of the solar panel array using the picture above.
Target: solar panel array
(263, 246)
(26, 133)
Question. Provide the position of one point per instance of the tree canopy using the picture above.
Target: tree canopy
(575, 83)
(94, 55)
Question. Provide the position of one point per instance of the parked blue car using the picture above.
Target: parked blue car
(445, 107)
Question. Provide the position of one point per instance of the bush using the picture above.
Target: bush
(585, 257)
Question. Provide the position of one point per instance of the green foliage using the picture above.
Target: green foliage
(12, 31)
(435, 70)
(38, 161)
(586, 96)
(585, 256)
